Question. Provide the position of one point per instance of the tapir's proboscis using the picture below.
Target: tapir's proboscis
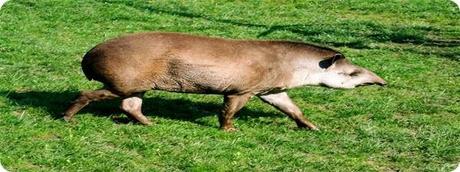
(130, 65)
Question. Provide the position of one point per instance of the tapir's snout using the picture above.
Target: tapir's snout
(381, 82)
(370, 78)
(343, 74)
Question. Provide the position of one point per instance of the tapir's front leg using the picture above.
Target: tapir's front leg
(282, 102)
(232, 104)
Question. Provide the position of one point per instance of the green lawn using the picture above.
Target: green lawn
(413, 124)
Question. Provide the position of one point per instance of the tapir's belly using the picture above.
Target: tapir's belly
(199, 78)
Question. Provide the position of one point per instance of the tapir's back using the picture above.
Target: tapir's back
(182, 63)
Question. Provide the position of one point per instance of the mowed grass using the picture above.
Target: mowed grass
(413, 124)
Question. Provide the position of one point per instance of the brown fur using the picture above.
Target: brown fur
(239, 69)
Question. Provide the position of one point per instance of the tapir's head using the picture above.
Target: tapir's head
(338, 72)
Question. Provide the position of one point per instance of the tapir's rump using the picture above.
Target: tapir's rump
(238, 69)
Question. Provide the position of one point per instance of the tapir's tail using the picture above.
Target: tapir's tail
(87, 66)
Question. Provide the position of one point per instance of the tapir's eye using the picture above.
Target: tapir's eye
(355, 73)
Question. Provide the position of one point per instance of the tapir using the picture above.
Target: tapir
(130, 65)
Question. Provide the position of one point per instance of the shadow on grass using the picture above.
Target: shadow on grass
(55, 104)
(417, 35)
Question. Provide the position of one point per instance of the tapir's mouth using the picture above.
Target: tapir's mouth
(381, 84)
(365, 84)
(372, 83)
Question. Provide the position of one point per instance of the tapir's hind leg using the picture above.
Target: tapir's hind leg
(132, 106)
(84, 99)
(282, 102)
(232, 104)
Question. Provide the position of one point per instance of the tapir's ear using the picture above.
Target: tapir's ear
(326, 63)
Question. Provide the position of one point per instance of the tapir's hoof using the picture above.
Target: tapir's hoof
(307, 128)
(146, 122)
(310, 127)
(229, 129)
(314, 129)
(68, 119)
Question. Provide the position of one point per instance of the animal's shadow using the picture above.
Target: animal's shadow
(184, 109)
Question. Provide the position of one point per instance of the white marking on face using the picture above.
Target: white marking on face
(336, 80)
(328, 78)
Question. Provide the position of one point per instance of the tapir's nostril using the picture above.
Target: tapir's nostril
(381, 82)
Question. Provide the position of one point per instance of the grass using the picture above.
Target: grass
(411, 125)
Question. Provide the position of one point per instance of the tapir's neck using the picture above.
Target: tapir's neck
(304, 77)
(304, 62)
